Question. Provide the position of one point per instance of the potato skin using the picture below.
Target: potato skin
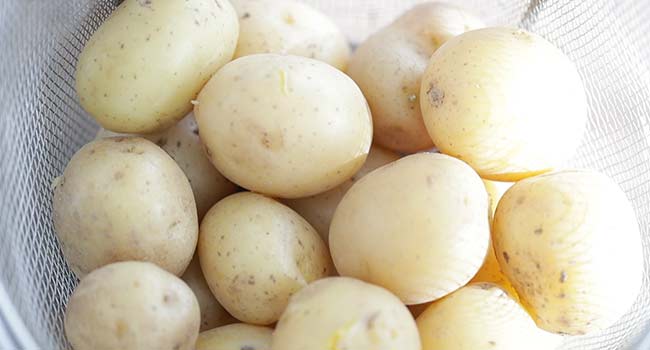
(146, 46)
(237, 336)
(289, 27)
(124, 198)
(554, 240)
(344, 313)
(418, 227)
(285, 126)
(255, 253)
(509, 89)
(132, 305)
(389, 65)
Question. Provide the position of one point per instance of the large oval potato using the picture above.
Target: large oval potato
(285, 126)
(238, 336)
(289, 27)
(132, 305)
(511, 90)
(389, 65)
(418, 227)
(344, 313)
(183, 144)
(570, 244)
(481, 316)
(255, 253)
(140, 70)
(124, 198)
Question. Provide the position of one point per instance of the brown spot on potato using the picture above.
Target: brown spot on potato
(492, 343)
(120, 328)
(246, 15)
(506, 257)
(563, 276)
(538, 231)
(118, 175)
(436, 96)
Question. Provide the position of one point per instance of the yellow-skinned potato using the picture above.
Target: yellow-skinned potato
(319, 209)
(237, 336)
(481, 316)
(289, 27)
(345, 313)
(132, 305)
(183, 144)
(285, 126)
(255, 253)
(141, 69)
(389, 65)
(124, 198)
(418, 227)
(509, 89)
(570, 244)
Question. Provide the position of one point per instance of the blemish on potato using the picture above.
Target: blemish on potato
(538, 231)
(563, 276)
(436, 96)
(506, 257)
(492, 343)
(118, 175)
(120, 328)
(246, 15)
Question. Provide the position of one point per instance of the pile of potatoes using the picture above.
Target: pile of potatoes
(235, 200)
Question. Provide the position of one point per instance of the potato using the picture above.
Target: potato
(182, 143)
(495, 191)
(344, 313)
(289, 27)
(212, 313)
(418, 227)
(238, 336)
(509, 89)
(255, 253)
(319, 209)
(481, 316)
(132, 305)
(389, 65)
(285, 126)
(140, 70)
(124, 198)
(570, 244)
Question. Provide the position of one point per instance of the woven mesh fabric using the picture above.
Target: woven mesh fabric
(42, 126)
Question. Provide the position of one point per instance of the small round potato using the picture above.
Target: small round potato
(481, 316)
(319, 209)
(511, 90)
(255, 253)
(389, 66)
(141, 69)
(345, 313)
(132, 305)
(570, 244)
(183, 144)
(285, 126)
(237, 336)
(124, 198)
(418, 227)
(289, 27)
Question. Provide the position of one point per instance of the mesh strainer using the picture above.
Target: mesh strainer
(43, 125)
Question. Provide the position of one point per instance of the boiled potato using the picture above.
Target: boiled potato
(509, 89)
(212, 313)
(255, 253)
(289, 27)
(182, 143)
(389, 65)
(132, 305)
(124, 198)
(235, 337)
(481, 316)
(141, 69)
(418, 227)
(285, 126)
(570, 244)
(319, 209)
(344, 313)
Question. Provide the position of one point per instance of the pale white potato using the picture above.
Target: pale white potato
(237, 336)
(345, 313)
(124, 198)
(570, 244)
(511, 90)
(418, 227)
(132, 305)
(389, 65)
(289, 27)
(285, 126)
(141, 69)
(255, 253)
